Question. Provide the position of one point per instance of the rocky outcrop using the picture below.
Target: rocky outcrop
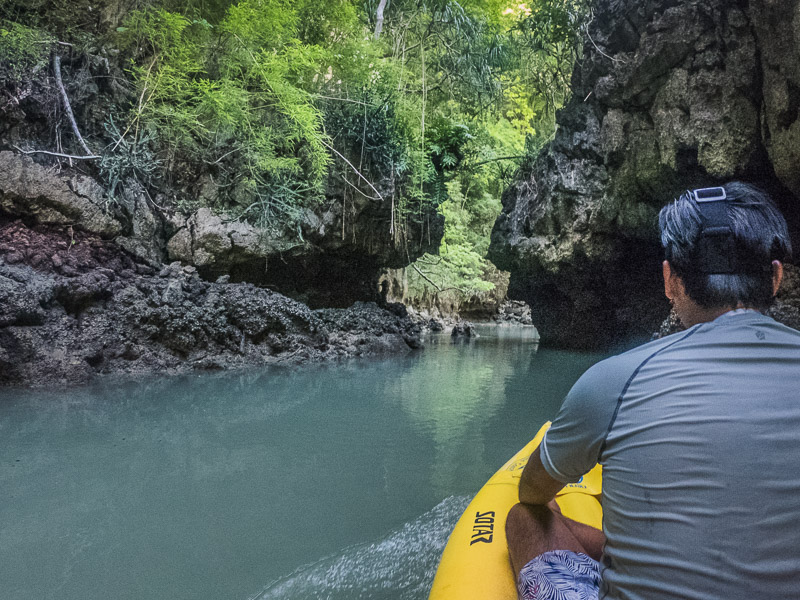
(776, 24)
(449, 305)
(328, 264)
(48, 195)
(670, 94)
(367, 329)
(463, 330)
(215, 245)
(84, 289)
(337, 259)
(514, 312)
(75, 306)
(45, 196)
(325, 252)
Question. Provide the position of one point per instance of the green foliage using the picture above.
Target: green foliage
(492, 75)
(550, 24)
(230, 97)
(273, 102)
(23, 52)
(548, 35)
(471, 207)
(66, 20)
(132, 158)
(279, 96)
(460, 265)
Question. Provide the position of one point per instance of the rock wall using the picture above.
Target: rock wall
(334, 260)
(669, 95)
(337, 258)
(331, 256)
(75, 305)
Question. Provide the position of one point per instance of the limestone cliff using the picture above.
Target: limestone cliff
(669, 95)
(331, 256)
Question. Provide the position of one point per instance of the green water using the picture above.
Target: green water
(337, 482)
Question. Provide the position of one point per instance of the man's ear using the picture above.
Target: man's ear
(777, 276)
(669, 280)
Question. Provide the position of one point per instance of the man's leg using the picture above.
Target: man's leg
(534, 530)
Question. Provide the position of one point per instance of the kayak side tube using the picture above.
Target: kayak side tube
(475, 563)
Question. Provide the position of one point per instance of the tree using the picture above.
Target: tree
(379, 18)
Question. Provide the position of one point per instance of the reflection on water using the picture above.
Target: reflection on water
(458, 392)
(213, 486)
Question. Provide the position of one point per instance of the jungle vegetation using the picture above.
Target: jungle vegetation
(439, 100)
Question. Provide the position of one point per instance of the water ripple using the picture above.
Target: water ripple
(398, 567)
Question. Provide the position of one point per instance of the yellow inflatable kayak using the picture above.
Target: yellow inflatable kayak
(475, 563)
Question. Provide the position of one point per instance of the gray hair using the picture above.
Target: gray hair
(760, 236)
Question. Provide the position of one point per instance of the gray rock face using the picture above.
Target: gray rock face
(337, 261)
(777, 28)
(71, 308)
(208, 242)
(45, 196)
(514, 312)
(463, 330)
(670, 94)
(145, 235)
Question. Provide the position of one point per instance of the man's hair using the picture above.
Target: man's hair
(759, 235)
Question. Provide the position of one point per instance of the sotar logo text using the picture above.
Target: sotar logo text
(483, 529)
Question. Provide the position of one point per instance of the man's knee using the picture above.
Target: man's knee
(527, 533)
(513, 515)
(526, 522)
(519, 521)
(523, 517)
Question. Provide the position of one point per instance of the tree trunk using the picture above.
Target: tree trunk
(379, 18)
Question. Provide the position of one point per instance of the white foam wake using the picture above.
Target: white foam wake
(398, 567)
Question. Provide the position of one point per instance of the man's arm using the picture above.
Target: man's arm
(536, 486)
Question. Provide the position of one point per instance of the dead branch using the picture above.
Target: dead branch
(596, 47)
(58, 154)
(67, 107)
(421, 274)
(348, 182)
(340, 155)
(428, 262)
(67, 44)
(216, 162)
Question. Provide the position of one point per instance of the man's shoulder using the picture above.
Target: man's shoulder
(609, 377)
(626, 363)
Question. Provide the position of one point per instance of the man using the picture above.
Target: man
(698, 433)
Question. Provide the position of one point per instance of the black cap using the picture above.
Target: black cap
(716, 248)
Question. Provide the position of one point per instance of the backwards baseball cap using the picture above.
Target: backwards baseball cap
(716, 251)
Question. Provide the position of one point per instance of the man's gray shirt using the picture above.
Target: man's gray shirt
(699, 437)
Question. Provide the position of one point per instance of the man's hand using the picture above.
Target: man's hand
(536, 487)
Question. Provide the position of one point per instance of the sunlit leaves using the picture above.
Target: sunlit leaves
(260, 91)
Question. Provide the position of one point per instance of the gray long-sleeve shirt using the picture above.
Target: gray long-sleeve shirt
(699, 437)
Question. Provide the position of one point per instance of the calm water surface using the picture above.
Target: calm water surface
(337, 482)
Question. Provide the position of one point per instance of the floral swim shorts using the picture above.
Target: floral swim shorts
(560, 575)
